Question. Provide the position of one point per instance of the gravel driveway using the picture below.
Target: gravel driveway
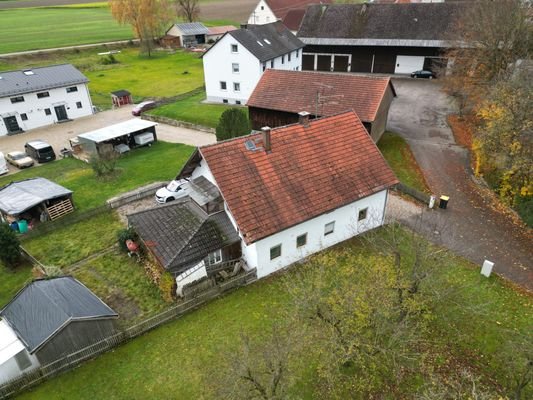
(473, 225)
(59, 134)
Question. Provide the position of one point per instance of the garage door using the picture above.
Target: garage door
(408, 64)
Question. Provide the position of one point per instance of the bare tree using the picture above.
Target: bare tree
(189, 10)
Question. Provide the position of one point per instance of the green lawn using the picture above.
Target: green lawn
(11, 281)
(183, 356)
(40, 28)
(191, 109)
(398, 154)
(159, 162)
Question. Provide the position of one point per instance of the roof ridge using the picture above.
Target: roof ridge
(34, 68)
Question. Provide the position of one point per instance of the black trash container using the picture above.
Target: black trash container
(443, 203)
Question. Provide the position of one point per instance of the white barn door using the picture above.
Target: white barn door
(408, 64)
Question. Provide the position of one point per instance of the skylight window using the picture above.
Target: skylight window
(259, 43)
(267, 41)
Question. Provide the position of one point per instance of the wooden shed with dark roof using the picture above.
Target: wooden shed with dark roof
(281, 95)
(379, 38)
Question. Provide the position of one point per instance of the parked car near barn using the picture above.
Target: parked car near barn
(142, 107)
(19, 159)
(423, 74)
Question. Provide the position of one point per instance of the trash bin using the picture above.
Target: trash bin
(443, 203)
(23, 226)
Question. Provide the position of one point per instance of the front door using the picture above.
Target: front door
(61, 113)
(12, 124)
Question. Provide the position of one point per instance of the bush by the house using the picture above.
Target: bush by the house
(123, 235)
(233, 123)
(9, 246)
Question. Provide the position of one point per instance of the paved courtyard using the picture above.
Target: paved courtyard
(58, 135)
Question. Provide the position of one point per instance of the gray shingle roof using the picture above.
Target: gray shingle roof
(422, 22)
(17, 197)
(43, 78)
(282, 41)
(181, 233)
(41, 308)
(193, 28)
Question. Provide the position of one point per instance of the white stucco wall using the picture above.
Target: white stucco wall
(257, 255)
(34, 107)
(262, 14)
(10, 346)
(218, 67)
(193, 274)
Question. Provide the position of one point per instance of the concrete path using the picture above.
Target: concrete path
(59, 134)
(474, 225)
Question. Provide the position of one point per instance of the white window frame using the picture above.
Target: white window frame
(298, 237)
(235, 86)
(236, 47)
(214, 257)
(225, 84)
(365, 210)
(280, 251)
(235, 68)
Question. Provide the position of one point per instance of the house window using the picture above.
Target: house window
(23, 117)
(275, 252)
(262, 7)
(235, 68)
(362, 214)
(234, 48)
(225, 101)
(289, 57)
(215, 257)
(22, 359)
(297, 53)
(42, 95)
(329, 228)
(301, 240)
(272, 64)
(238, 102)
(236, 86)
(78, 104)
(72, 89)
(18, 99)
(47, 111)
(283, 59)
(223, 85)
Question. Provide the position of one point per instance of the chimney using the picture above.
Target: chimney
(303, 118)
(244, 26)
(266, 138)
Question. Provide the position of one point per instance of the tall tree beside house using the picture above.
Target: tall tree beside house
(9, 246)
(233, 123)
(147, 18)
(189, 10)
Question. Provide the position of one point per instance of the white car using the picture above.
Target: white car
(174, 190)
(19, 159)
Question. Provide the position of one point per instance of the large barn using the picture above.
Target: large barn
(377, 38)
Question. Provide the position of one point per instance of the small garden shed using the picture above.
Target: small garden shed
(121, 98)
(36, 199)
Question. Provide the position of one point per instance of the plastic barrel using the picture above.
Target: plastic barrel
(23, 226)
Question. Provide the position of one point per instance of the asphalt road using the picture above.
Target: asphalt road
(473, 225)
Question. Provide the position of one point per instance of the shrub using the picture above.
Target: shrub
(105, 163)
(525, 209)
(232, 123)
(124, 235)
(9, 246)
(108, 60)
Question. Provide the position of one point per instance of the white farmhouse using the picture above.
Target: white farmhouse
(36, 97)
(283, 194)
(267, 11)
(234, 64)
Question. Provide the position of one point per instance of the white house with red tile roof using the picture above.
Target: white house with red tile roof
(267, 11)
(295, 190)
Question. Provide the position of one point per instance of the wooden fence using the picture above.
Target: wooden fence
(69, 362)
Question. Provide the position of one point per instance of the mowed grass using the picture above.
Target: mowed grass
(41, 28)
(400, 158)
(160, 162)
(183, 356)
(191, 109)
(12, 280)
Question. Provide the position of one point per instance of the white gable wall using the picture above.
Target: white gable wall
(218, 67)
(35, 107)
(257, 254)
(262, 14)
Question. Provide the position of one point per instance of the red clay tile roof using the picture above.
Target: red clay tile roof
(293, 18)
(310, 171)
(281, 7)
(295, 91)
(219, 30)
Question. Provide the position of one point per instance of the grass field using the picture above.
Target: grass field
(191, 109)
(183, 356)
(164, 161)
(41, 28)
(398, 154)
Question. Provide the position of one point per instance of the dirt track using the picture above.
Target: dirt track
(234, 10)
